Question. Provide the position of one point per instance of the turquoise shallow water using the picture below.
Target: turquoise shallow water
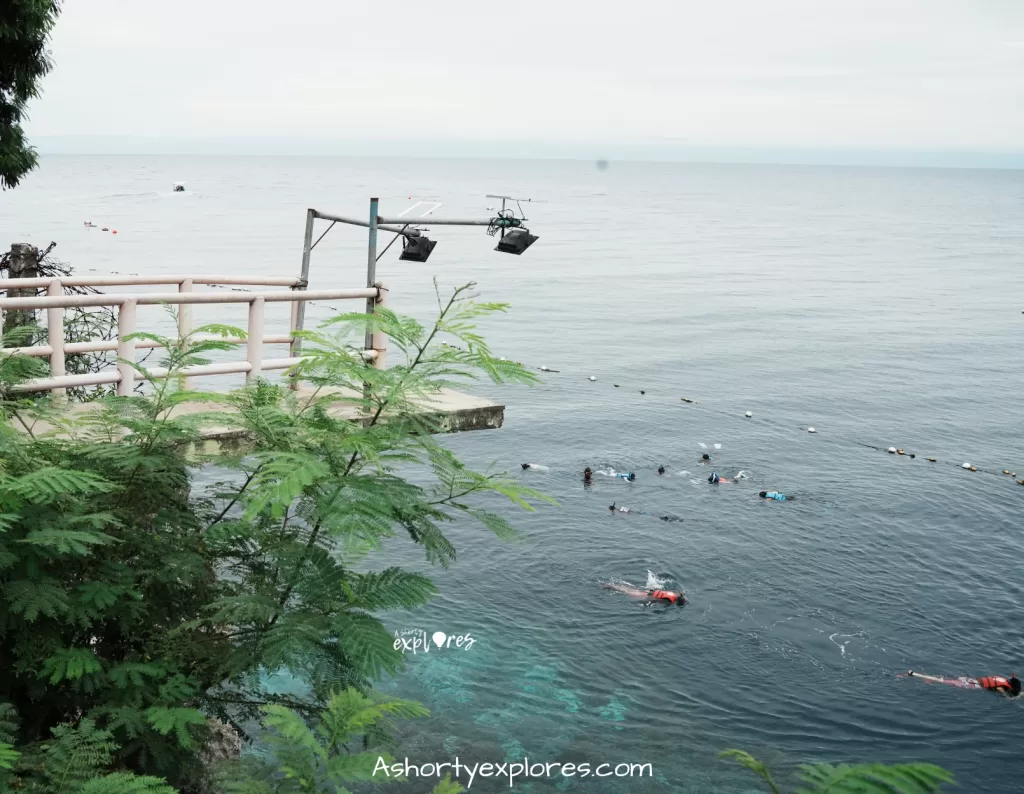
(881, 306)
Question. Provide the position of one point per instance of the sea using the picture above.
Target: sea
(880, 306)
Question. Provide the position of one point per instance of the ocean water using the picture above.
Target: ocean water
(880, 306)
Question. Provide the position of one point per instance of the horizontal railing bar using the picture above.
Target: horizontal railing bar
(200, 370)
(126, 281)
(111, 344)
(153, 299)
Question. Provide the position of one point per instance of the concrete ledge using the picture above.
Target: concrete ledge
(456, 413)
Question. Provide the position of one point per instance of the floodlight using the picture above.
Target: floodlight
(416, 249)
(516, 241)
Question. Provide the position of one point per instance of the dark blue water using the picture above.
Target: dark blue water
(880, 306)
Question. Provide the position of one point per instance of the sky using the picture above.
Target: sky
(573, 75)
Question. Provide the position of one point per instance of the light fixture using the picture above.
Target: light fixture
(416, 249)
(516, 241)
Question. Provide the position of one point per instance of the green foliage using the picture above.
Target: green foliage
(136, 607)
(305, 758)
(25, 26)
(856, 778)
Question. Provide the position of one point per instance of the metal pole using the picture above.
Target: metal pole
(371, 268)
(307, 243)
(298, 314)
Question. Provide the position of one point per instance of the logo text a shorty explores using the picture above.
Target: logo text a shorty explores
(418, 641)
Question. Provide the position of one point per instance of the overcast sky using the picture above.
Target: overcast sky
(858, 73)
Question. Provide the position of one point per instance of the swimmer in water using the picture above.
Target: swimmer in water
(587, 474)
(534, 467)
(614, 509)
(705, 458)
(715, 479)
(661, 470)
(626, 475)
(778, 497)
(994, 683)
(652, 596)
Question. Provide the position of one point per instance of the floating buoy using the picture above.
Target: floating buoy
(932, 460)
(900, 452)
(642, 391)
(616, 385)
(974, 468)
(104, 229)
(912, 456)
(892, 450)
(748, 414)
(966, 466)
(1020, 482)
(547, 369)
(1008, 472)
(686, 399)
(591, 378)
(811, 430)
(113, 231)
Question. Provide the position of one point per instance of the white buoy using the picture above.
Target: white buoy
(748, 414)
(811, 430)
(892, 450)
(591, 378)
(966, 466)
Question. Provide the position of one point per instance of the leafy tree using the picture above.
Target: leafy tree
(855, 778)
(25, 27)
(304, 759)
(132, 600)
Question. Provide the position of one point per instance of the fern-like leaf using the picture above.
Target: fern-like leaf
(126, 783)
(873, 778)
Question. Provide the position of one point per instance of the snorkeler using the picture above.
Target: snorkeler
(776, 495)
(661, 470)
(653, 596)
(705, 458)
(994, 683)
(614, 509)
(626, 475)
(715, 479)
(587, 474)
(534, 467)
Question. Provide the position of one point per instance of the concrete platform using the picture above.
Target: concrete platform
(457, 413)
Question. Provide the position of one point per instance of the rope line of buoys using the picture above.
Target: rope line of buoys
(896, 451)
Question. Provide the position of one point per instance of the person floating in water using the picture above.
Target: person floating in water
(534, 467)
(994, 683)
(626, 475)
(661, 470)
(778, 497)
(587, 475)
(705, 458)
(615, 509)
(715, 478)
(652, 596)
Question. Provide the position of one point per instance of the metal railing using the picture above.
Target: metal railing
(125, 376)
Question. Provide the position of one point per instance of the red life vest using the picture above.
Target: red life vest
(666, 594)
(994, 682)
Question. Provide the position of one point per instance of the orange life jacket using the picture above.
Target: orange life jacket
(994, 682)
(667, 595)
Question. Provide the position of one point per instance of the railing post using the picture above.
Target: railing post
(254, 340)
(185, 322)
(380, 339)
(126, 348)
(55, 337)
(296, 345)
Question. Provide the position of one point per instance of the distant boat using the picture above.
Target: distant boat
(179, 187)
